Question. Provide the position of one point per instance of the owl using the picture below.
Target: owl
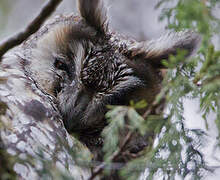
(87, 66)
(91, 66)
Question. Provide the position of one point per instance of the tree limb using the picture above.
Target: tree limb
(33, 27)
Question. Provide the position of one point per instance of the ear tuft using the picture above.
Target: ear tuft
(95, 13)
(162, 48)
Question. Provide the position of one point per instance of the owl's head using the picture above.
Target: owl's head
(87, 66)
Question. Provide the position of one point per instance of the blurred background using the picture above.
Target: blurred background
(138, 19)
(135, 18)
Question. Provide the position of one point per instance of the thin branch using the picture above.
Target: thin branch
(33, 27)
(155, 103)
(150, 109)
(114, 156)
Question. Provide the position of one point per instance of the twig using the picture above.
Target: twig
(152, 106)
(100, 168)
(149, 110)
(34, 26)
(123, 146)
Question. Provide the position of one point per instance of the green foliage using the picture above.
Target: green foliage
(125, 119)
(198, 15)
(177, 152)
(120, 118)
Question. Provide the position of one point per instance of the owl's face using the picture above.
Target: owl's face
(87, 67)
(101, 75)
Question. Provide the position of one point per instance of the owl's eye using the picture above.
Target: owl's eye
(60, 64)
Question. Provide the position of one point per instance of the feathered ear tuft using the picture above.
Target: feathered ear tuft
(95, 13)
(156, 50)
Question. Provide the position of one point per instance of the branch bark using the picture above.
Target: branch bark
(33, 27)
